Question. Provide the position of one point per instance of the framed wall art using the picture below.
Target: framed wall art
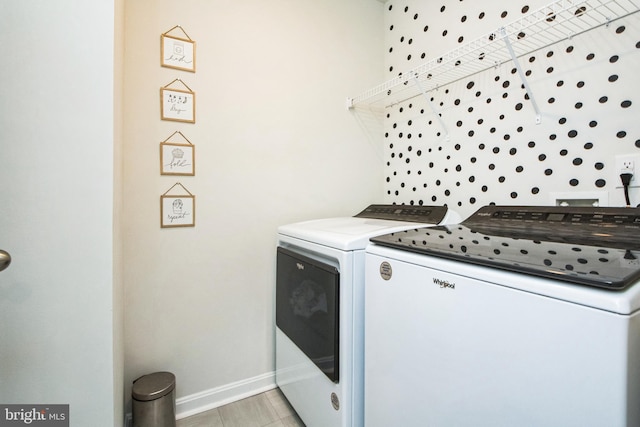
(178, 52)
(178, 105)
(177, 158)
(177, 210)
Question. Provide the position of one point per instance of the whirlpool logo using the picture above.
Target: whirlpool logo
(444, 283)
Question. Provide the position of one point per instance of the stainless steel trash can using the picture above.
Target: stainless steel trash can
(154, 400)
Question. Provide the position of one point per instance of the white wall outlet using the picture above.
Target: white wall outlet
(627, 164)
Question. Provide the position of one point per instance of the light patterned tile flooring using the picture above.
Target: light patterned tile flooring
(269, 409)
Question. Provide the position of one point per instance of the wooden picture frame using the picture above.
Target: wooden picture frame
(178, 53)
(177, 158)
(177, 105)
(177, 210)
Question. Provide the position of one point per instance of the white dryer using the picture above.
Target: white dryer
(518, 316)
(319, 308)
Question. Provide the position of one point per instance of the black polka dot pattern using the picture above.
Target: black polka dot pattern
(482, 145)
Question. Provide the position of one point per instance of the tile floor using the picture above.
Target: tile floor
(269, 409)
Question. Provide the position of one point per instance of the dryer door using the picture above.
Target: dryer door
(307, 307)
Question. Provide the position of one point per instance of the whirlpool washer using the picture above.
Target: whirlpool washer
(518, 316)
(319, 308)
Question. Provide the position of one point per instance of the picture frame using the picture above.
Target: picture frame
(177, 105)
(177, 158)
(177, 210)
(177, 53)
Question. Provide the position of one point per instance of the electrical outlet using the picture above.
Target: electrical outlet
(627, 164)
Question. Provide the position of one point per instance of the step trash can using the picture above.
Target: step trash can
(154, 400)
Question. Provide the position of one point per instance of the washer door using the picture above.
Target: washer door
(307, 308)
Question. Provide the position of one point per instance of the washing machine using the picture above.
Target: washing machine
(319, 308)
(518, 316)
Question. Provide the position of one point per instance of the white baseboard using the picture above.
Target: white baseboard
(219, 396)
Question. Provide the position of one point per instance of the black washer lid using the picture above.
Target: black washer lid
(153, 386)
(597, 247)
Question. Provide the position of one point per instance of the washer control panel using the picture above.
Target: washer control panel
(408, 213)
(612, 216)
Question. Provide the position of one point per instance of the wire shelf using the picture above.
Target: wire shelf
(543, 27)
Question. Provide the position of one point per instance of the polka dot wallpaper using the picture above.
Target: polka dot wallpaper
(476, 141)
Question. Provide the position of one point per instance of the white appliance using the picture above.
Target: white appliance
(319, 318)
(518, 316)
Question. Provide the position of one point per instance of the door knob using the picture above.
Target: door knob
(5, 259)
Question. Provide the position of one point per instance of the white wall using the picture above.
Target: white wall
(118, 241)
(274, 144)
(59, 341)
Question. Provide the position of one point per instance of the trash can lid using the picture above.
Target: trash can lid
(153, 386)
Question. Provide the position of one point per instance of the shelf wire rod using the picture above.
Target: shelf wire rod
(560, 20)
(525, 82)
(424, 93)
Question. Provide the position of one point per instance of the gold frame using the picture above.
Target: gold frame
(183, 97)
(176, 51)
(176, 208)
(177, 152)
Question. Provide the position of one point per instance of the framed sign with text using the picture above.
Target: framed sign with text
(178, 105)
(178, 52)
(177, 158)
(177, 210)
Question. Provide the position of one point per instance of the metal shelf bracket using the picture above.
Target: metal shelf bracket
(424, 93)
(523, 77)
